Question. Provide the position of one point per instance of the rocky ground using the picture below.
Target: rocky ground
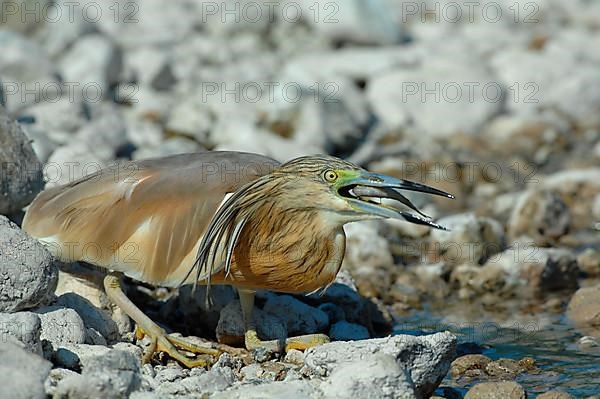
(497, 102)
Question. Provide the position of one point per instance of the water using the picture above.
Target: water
(553, 345)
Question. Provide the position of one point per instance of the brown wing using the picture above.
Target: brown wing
(144, 218)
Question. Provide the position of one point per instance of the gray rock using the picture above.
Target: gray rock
(555, 394)
(272, 390)
(583, 310)
(193, 305)
(58, 119)
(299, 317)
(92, 64)
(366, 248)
(28, 273)
(172, 146)
(61, 326)
(21, 173)
(77, 356)
(22, 373)
(425, 359)
(205, 383)
(115, 374)
(471, 239)
(367, 22)
(344, 331)
(55, 377)
(93, 317)
(73, 161)
(432, 94)
(376, 377)
(26, 67)
(589, 261)
(24, 327)
(539, 269)
(151, 67)
(40, 142)
(540, 215)
(496, 390)
(191, 117)
(546, 87)
(230, 329)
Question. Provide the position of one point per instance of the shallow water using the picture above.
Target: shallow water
(553, 346)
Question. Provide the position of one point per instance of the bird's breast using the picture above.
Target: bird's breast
(301, 263)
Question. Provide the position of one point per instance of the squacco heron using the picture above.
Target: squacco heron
(216, 218)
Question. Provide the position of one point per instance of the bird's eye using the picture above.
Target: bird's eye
(330, 176)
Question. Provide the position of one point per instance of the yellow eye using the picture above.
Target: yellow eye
(330, 176)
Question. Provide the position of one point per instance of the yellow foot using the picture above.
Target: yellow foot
(300, 342)
(161, 342)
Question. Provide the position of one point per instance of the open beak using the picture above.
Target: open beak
(366, 191)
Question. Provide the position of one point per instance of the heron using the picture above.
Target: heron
(210, 218)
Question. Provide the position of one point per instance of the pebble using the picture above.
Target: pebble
(496, 390)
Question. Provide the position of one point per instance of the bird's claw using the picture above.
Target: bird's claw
(161, 342)
(301, 342)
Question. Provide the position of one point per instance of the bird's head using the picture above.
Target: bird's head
(346, 192)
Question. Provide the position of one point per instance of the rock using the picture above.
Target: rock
(469, 365)
(91, 65)
(299, 317)
(272, 390)
(424, 100)
(191, 117)
(94, 318)
(20, 170)
(115, 374)
(555, 395)
(378, 376)
(24, 327)
(365, 248)
(26, 70)
(546, 88)
(22, 373)
(73, 161)
(40, 142)
(193, 305)
(540, 269)
(366, 22)
(344, 331)
(87, 283)
(589, 261)
(471, 239)
(206, 383)
(426, 359)
(151, 67)
(172, 146)
(584, 310)
(61, 326)
(496, 390)
(77, 356)
(28, 273)
(230, 329)
(541, 216)
(505, 368)
(58, 119)
(55, 377)
(142, 133)
(578, 188)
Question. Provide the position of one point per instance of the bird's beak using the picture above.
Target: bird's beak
(365, 192)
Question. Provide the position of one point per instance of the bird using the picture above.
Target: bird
(214, 218)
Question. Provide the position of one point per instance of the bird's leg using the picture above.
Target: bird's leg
(252, 341)
(160, 341)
